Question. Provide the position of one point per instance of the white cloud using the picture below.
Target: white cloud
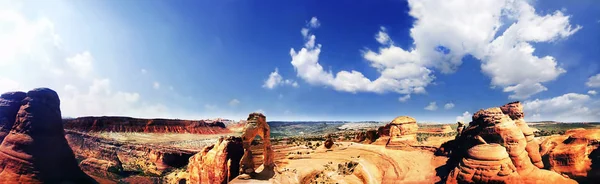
(404, 77)
(234, 102)
(156, 85)
(314, 23)
(524, 91)
(443, 33)
(592, 92)
(81, 63)
(466, 117)
(275, 79)
(593, 81)
(449, 106)
(431, 107)
(32, 45)
(567, 107)
(7, 85)
(404, 98)
(382, 37)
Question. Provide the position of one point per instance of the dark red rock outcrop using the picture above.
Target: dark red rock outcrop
(366, 137)
(10, 103)
(127, 124)
(35, 150)
(218, 163)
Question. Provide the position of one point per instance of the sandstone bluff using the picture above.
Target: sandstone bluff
(35, 149)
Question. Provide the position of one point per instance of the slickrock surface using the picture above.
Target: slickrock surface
(575, 154)
(218, 163)
(515, 111)
(492, 126)
(35, 149)
(10, 103)
(126, 124)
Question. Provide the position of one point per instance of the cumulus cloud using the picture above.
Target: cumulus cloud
(593, 81)
(443, 33)
(405, 78)
(465, 117)
(569, 107)
(449, 106)
(275, 79)
(404, 98)
(234, 102)
(431, 107)
(34, 46)
(592, 92)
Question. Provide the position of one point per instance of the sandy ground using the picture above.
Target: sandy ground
(376, 164)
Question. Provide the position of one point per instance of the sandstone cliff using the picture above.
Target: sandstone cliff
(126, 124)
(35, 149)
(218, 163)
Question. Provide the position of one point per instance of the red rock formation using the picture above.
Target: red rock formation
(366, 137)
(149, 159)
(257, 125)
(492, 126)
(126, 124)
(515, 111)
(218, 163)
(575, 154)
(328, 143)
(9, 106)
(35, 150)
(400, 132)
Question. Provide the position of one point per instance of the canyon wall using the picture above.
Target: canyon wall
(127, 124)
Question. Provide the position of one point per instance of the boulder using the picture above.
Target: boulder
(35, 150)
(575, 154)
(328, 143)
(218, 163)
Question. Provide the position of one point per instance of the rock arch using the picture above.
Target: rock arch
(256, 125)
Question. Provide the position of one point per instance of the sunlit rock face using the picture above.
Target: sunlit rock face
(480, 144)
(35, 150)
(400, 132)
(575, 154)
(218, 163)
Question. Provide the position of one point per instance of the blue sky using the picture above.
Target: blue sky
(368, 60)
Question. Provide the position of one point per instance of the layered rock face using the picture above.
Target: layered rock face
(126, 124)
(219, 163)
(144, 158)
(401, 131)
(35, 149)
(515, 111)
(492, 126)
(575, 154)
(10, 103)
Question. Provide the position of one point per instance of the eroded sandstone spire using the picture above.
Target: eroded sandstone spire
(35, 150)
